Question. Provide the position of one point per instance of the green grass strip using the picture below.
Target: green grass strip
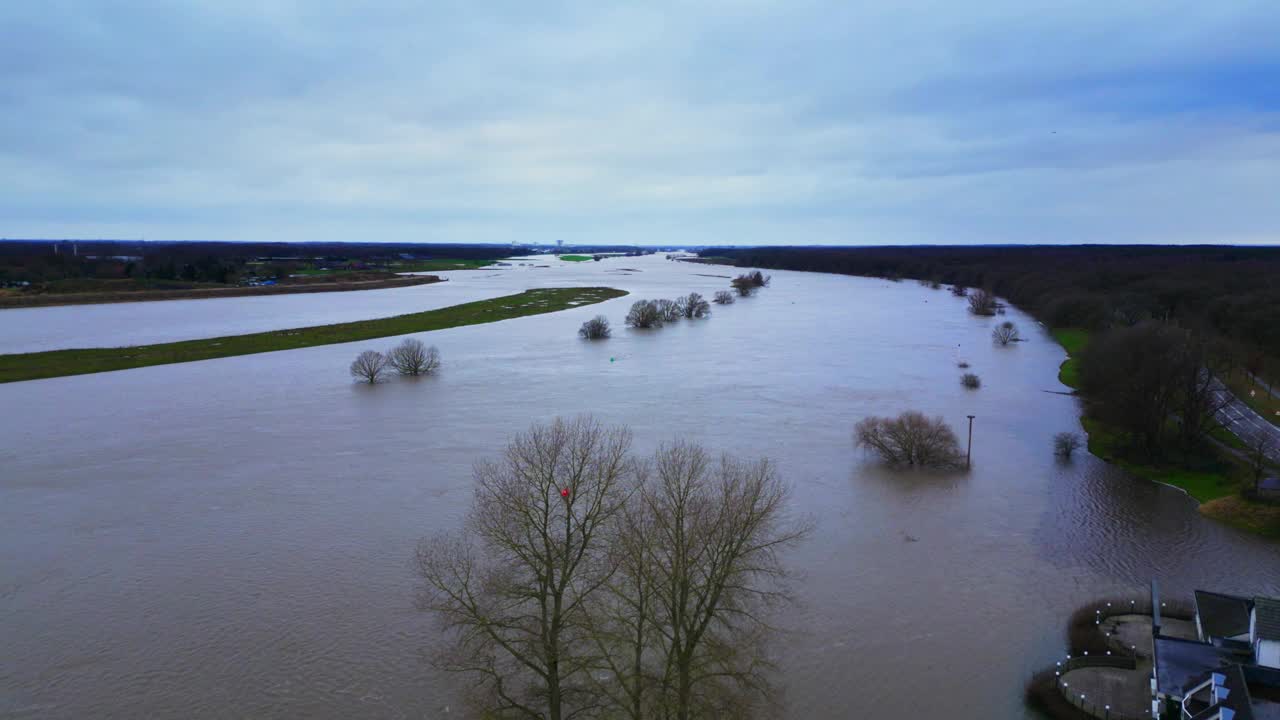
(57, 363)
(1073, 340)
(575, 258)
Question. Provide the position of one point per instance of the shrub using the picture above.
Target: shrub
(723, 297)
(971, 381)
(743, 284)
(597, 328)
(911, 439)
(959, 290)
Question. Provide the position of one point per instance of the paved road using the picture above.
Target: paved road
(1270, 390)
(1247, 424)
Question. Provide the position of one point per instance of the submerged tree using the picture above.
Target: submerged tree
(412, 357)
(723, 297)
(971, 381)
(1065, 444)
(588, 584)
(670, 310)
(982, 302)
(694, 305)
(597, 328)
(1005, 333)
(704, 575)
(911, 439)
(644, 314)
(369, 366)
(512, 590)
(743, 284)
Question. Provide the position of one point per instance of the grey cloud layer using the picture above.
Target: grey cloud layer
(742, 122)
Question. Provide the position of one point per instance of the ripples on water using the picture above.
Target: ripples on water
(232, 537)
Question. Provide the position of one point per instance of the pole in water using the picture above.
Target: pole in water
(968, 455)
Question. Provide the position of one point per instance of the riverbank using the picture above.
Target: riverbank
(23, 300)
(1211, 475)
(58, 363)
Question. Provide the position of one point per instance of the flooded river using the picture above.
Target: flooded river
(233, 537)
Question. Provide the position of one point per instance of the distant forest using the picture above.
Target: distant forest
(1232, 291)
(50, 263)
(38, 261)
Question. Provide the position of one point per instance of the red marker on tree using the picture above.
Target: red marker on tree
(564, 492)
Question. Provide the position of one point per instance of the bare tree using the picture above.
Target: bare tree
(959, 290)
(412, 357)
(1005, 333)
(1257, 458)
(723, 297)
(759, 279)
(1137, 378)
(597, 328)
(695, 306)
(670, 310)
(911, 439)
(644, 314)
(369, 366)
(702, 577)
(1065, 444)
(971, 381)
(982, 302)
(743, 284)
(513, 589)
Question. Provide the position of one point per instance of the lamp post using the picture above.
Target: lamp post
(968, 454)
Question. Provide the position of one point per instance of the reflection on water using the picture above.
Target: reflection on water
(232, 537)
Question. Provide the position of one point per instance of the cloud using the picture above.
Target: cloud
(743, 122)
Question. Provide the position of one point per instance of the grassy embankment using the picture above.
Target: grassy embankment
(56, 363)
(575, 258)
(90, 292)
(1212, 477)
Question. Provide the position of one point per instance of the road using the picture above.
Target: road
(1246, 423)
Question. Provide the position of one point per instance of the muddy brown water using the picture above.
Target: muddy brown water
(233, 537)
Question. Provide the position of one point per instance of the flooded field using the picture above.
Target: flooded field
(233, 537)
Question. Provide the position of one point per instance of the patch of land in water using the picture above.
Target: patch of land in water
(58, 363)
(197, 291)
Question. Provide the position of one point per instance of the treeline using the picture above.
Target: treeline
(1230, 291)
(210, 262)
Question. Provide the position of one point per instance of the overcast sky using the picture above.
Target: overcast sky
(747, 122)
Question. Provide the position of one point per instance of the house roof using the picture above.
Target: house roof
(1180, 662)
(1222, 615)
(1268, 620)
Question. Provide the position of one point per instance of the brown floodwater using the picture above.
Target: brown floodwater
(233, 537)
